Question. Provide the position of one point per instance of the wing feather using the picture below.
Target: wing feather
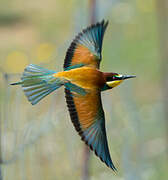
(86, 48)
(87, 116)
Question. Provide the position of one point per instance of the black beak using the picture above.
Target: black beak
(127, 77)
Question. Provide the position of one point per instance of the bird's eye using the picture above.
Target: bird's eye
(111, 78)
(115, 77)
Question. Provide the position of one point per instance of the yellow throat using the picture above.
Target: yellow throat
(114, 83)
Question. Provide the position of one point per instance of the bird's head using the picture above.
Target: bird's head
(114, 79)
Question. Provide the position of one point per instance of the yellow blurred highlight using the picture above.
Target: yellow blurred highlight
(43, 52)
(146, 6)
(15, 62)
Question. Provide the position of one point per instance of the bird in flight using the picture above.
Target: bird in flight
(83, 83)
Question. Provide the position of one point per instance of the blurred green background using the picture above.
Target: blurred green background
(39, 142)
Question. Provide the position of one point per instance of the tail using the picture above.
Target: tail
(38, 82)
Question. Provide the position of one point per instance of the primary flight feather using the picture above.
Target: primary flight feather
(83, 82)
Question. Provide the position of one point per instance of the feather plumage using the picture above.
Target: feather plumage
(87, 116)
(87, 46)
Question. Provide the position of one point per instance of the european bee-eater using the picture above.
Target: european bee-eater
(83, 82)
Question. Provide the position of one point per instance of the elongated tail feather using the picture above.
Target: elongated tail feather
(38, 82)
(17, 83)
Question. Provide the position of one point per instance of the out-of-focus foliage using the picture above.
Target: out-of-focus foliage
(39, 142)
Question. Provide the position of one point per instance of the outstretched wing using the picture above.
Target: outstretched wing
(87, 116)
(86, 48)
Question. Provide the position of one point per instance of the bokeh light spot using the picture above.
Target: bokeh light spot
(44, 52)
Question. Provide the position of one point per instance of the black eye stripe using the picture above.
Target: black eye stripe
(113, 78)
(110, 78)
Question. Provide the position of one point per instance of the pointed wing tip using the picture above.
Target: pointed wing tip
(106, 23)
(113, 168)
(108, 163)
(103, 23)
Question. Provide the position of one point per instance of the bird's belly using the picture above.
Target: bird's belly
(84, 77)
